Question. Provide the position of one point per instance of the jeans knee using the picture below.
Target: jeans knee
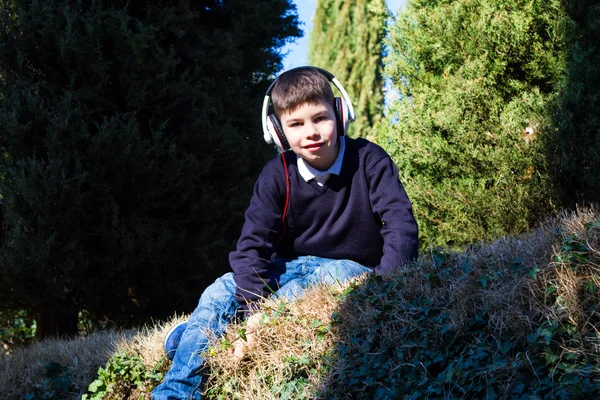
(217, 300)
(221, 288)
(341, 271)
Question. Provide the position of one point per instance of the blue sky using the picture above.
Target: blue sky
(298, 51)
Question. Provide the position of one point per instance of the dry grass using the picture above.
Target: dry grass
(25, 368)
(292, 342)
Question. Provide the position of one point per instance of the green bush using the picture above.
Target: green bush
(477, 82)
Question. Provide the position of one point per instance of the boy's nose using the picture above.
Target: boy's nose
(312, 130)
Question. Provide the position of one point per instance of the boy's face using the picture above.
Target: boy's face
(311, 133)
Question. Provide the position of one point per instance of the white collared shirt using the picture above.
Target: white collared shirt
(307, 172)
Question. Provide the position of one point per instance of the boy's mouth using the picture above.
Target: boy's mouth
(313, 146)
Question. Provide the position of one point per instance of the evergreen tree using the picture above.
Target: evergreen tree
(574, 144)
(346, 39)
(477, 80)
(130, 140)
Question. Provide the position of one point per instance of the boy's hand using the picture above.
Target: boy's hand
(240, 346)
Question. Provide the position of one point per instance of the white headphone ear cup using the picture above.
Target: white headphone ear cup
(342, 112)
(268, 132)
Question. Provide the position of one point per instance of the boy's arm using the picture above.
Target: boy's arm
(391, 204)
(262, 229)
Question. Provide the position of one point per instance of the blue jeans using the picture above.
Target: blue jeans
(217, 307)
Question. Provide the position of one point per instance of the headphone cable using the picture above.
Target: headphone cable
(287, 198)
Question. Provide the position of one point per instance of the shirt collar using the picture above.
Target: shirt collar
(307, 172)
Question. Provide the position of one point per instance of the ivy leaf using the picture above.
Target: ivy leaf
(549, 356)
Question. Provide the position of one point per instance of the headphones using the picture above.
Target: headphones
(342, 107)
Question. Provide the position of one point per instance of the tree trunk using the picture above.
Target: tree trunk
(55, 321)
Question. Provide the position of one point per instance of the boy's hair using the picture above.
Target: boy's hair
(297, 87)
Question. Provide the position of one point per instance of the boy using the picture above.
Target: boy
(330, 209)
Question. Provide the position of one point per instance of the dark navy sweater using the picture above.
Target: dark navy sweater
(363, 215)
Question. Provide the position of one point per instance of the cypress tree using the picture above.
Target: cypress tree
(477, 82)
(346, 39)
(130, 140)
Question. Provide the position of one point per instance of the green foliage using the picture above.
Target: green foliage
(57, 385)
(347, 39)
(477, 81)
(122, 374)
(128, 149)
(17, 328)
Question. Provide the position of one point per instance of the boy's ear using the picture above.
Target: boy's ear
(341, 115)
(275, 131)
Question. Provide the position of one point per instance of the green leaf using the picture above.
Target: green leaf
(549, 356)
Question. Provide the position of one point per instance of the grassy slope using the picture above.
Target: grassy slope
(515, 318)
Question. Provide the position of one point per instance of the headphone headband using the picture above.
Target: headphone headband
(268, 136)
(328, 74)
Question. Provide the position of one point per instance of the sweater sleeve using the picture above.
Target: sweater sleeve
(261, 230)
(390, 203)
